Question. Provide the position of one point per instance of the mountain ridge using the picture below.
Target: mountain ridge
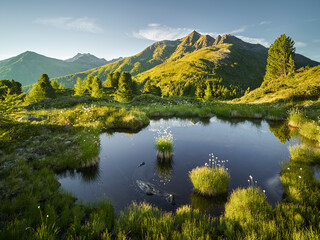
(28, 66)
(170, 51)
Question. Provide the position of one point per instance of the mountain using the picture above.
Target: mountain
(195, 56)
(157, 53)
(28, 66)
(303, 85)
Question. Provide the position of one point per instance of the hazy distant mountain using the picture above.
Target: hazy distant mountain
(28, 66)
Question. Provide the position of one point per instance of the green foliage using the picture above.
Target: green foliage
(9, 87)
(41, 90)
(152, 89)
(248, 209)
(302, 86)
(126, 87)
(210, 181)
(141, 221)
(96, 88)
(55, 84)
(208, 93)
(280, 59)
(79, 88)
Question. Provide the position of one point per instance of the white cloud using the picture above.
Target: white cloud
(265, 22)
(157, 32)
(261, 41)
(300, 44)
(84, 24)
(239, 30)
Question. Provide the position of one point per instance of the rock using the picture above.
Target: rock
(32, 118)
(141, 164)
(67, 142)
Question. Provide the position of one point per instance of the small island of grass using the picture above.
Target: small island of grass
(210, 181)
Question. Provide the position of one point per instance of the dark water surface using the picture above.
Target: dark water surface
(250, 148)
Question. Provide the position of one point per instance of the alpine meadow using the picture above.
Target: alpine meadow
(204, 122)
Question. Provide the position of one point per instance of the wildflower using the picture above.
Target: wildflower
(264, 191)
(301, 168)
(250, 177)
(299, 176)
(47, 216)
(39, 207)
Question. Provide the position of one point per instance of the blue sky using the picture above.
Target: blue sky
(114, 28)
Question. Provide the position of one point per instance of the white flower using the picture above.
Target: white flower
(299, 176)
(39, 207)
(47, 216)
(250, 177)
(264, 191)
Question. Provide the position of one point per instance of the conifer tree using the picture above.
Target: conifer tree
(125, 87)
(208, 93)
(280, 60)
(62, 86)
(79, 88)
(88, 84)
(96, 87)
(151, 89)
(41, 90)
(115, 80)
(55, 84)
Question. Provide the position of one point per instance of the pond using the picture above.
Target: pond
(251, 148)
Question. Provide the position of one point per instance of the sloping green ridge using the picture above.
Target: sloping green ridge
(231, 63)
(300, 86)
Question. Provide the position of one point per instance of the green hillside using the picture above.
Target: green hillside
(232, 64)
(192, 58)
(157, 53)
(303, 85)
(27, 67)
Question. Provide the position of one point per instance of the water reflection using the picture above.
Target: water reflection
(206, 203)
(252, 147)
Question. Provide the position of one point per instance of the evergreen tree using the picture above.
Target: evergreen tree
(115, 80)
(108, 82)
(79, 88)
(62, 86)
(41, 90)
(55, 84)
(151, 89)
(96, 88)
(88, 84)
(208, 93)
(9, 87)
(125, 87)
(280, 58)
(200, 91)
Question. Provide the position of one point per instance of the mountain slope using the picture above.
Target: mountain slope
(157, 53)
(28, 66)
(304, 85)
(242, 64)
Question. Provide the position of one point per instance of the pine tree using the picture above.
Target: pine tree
(96, 88)
(108, 82)
(125, 87)
(55, 84)
(152, 89)
(208, 93)
(88, 84)
(62, 86)
(115, 80)
(79, 88)
(280, 59)
(41, 90)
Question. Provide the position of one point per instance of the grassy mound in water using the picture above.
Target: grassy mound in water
(210, 181)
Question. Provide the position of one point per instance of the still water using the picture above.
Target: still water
(251, 148)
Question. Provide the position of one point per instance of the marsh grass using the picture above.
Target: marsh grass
(210, 181)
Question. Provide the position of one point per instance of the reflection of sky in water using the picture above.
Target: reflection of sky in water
(250, 148)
